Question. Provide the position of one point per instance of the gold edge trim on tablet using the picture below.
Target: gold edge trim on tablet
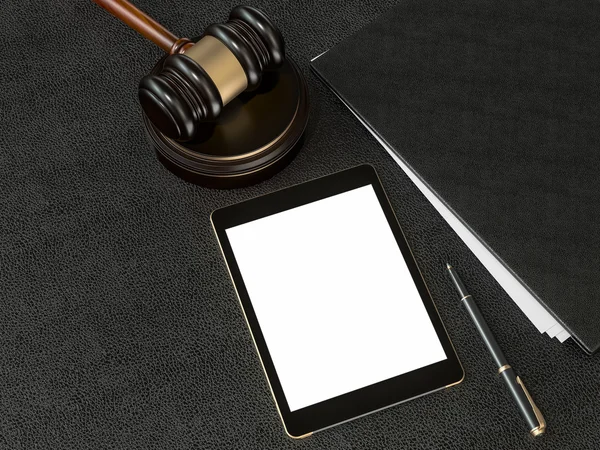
(503, 368)
(459, 381)
(424, 283)
(254, 340)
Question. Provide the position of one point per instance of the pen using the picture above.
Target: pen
(528, 409)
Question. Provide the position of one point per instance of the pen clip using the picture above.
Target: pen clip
(538, 414)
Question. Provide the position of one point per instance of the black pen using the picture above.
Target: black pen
(528, 409)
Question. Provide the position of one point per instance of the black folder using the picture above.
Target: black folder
(496, 106)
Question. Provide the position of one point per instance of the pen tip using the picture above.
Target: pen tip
(448, 266)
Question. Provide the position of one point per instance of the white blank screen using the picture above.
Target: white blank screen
(333, 296)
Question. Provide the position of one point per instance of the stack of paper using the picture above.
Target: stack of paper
(530, 306)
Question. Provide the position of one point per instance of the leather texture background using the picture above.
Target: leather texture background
(496, 106)
(119, 326)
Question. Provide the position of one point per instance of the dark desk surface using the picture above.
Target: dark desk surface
(119, 327)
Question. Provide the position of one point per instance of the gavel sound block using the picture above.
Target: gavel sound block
(227, 109)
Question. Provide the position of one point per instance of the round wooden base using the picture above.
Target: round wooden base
(257, 134)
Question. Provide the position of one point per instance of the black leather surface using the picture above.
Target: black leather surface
(496, 106)
(119, 326)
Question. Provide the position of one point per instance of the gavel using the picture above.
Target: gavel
(198, 79)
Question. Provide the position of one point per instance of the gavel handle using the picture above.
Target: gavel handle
(144, 24)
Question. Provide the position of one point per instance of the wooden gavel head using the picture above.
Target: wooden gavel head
(195, 84)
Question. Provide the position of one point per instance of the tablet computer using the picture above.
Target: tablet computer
(341, 317)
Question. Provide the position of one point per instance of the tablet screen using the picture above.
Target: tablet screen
(333, 296)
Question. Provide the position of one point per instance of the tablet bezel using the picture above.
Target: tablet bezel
(327, 413)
